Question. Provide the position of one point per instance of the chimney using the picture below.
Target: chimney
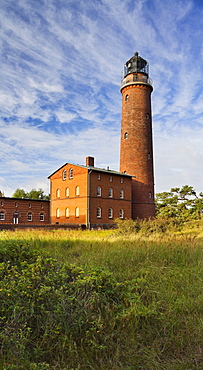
(90, 161)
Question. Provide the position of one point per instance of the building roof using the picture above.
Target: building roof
(28, 199)
(92, 168)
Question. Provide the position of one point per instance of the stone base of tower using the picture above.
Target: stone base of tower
(143, 205)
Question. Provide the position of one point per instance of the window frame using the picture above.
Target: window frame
(121, 214)
(77, 190)
(110, 192)
(67, 212)
(71, 173)
(99, 191)
(41, 217)
(77, 212)
(99, 212)
(2, 213)
(121, 194)
(29, 216)
(64, 175)
(110, 213)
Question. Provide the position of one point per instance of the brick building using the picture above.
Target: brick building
(20, 211)
(90, 196)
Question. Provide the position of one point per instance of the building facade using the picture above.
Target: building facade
(89, 196)
(20, 211)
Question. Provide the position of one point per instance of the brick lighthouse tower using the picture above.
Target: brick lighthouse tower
(136, 150)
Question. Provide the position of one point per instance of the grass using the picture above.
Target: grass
(137, 294)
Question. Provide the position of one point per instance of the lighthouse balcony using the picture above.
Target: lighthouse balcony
(136, 78)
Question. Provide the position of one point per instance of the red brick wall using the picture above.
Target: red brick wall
(22, 207)
(72, 201)
(136, 151)
(104, 201)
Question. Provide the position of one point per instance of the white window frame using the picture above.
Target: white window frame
(77, 190)
(121, 193)
(41, 217)
(110, 212)
(70, 173)
(121, 213)
(110, 193)
(99, 191)
(99, 212)
(2, 216)
(67, 212)
(77, 212)
(64, 174)
(29, 217)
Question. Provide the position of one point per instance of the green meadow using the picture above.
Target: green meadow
(130, 298)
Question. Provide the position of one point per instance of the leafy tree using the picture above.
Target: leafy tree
(33, 194)
(20, 193)
(182, 203)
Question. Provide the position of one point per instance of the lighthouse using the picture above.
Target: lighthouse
(136, 147)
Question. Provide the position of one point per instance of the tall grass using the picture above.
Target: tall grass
(124, 299)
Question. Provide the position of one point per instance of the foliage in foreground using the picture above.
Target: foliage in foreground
(62, 316)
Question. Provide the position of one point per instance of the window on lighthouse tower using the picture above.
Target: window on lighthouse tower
(125, 135)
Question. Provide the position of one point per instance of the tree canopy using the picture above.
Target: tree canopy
(33, 194)
(182, 203)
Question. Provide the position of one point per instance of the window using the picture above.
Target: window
(150, 194)
(41, 217)
(16, 205)
(70, 173)
(148, 156)
(98, 212)
(121, 180)
(67, 213)
(77, 190)
(121, 213)
(99, 176)
(110, 178)
(57, 212)
(110, 213)
(110, 192)
(42, 206)
(29, 216)
(30, 205)
(125, 135)
(99, 191)
(121, 193)
(77, 212)
(2, 204)
(58, 193)
(67, 192)
(2, 216)
(64, 175)
(126, 97)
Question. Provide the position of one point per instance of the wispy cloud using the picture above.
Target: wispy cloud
(60, 99)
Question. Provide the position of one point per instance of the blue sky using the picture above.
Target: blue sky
(61, 62)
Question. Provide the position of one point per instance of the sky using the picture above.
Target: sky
(60, 100)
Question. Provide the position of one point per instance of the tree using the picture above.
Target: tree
(182, 203)
(33, 194)
(20, 193)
